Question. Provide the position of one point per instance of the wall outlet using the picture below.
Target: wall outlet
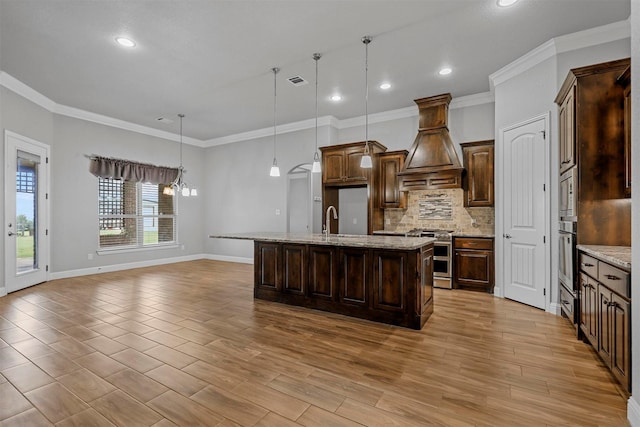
(89, 257)
(277, 211)
(387, 221)
(182, 247)
(355, 220)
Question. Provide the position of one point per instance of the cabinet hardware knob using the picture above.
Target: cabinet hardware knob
(564, 301)
(611, 277)
(586, 264)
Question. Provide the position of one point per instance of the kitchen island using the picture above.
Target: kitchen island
(385, 279)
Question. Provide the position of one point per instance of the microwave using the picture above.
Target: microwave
(568, 199)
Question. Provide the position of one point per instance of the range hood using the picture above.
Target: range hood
(432, 162)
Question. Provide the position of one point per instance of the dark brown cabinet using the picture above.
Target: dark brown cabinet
(390, 195)
(605, 318)
(473, 263)
(384, 285)
(341, 169)
(341, 163)
(592, 147)
(625, 82)
(479, 182)
(566, 123)
(589, 309)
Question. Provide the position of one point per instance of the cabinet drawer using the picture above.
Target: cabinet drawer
(589, 265)
(614, 279)
(473, 243)
(568, 303)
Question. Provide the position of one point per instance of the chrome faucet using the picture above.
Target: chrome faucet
(327, 226)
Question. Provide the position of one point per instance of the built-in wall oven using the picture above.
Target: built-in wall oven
(567, 270)
(441, 255)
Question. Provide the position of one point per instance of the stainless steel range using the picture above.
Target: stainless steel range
(441, 254)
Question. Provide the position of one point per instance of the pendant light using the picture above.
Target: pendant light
(316, 168)
(179, 185)
(365, 162)
(275, 170)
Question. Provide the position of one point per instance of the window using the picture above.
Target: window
(134, 215)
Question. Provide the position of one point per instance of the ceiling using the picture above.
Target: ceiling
(212, 60)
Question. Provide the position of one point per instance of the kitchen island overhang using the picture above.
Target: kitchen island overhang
(386, 279)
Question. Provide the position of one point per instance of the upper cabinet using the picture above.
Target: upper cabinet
(479, 183)
(566, 122)
(390, 196)
(341, 163)
(591, 116)
(625, 82)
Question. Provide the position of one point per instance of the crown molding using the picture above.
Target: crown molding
(266, 132)
(15, 85)
(579, 40)
(77, 113)
(384, 116)
(472, 100)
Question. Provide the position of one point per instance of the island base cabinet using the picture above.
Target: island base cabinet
(387, 286)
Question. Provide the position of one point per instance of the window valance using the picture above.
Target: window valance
(126, 170)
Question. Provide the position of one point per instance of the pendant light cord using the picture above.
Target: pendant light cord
(316, 57)
(366, 40)
(275, 95)
(181, 117)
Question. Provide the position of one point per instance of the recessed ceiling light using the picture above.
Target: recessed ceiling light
(123, 41)
(385, 86)
(506, 3)
(445, 71)
(336, 97)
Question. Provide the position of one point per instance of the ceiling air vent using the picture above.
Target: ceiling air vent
(297, 81)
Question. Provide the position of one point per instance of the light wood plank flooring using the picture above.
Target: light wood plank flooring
(186, 344)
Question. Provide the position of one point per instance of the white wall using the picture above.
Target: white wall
(74, 218)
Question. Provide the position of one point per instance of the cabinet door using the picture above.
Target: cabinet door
(390, 194)
(425, 290)
(354, 172)
(605, 316)
(322, 272)
(567, 131)
(473, 268)
(333, 166)
(479, 164)
(267, 257)
(389, 281)
(584, 306)
(592, 312)
(627, 141)
(294, 269)
(354, 278)
(620, 339)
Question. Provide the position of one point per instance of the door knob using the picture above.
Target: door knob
(10, 233)
(507, 236)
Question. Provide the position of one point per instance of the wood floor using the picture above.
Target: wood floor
(186, 344)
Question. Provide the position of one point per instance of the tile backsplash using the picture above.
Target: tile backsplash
(440, 210)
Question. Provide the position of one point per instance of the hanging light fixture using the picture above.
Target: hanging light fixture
(316, 168)
(365, 162)
(179, 185)
(275, 170)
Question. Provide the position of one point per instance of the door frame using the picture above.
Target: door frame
(44, 216)
(500, 203)
(303, 169)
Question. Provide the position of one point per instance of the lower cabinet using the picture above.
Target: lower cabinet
(384, 285)
(473, 263)
(605, 314)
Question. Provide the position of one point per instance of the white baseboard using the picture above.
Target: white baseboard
(150, 263)
(120, 267)
(633, 412)
(240, 260)
(555, 308)
(3, 291)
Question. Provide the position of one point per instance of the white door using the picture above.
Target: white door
(26, 212)
(525, 213)
(299, 199)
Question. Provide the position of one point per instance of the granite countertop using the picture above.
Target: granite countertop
(350, 240)
(619, 256)
(474, 234)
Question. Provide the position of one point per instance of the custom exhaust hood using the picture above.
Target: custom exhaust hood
(432, 162)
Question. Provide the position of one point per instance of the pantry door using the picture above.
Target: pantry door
(26, 212)
(525, 216)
